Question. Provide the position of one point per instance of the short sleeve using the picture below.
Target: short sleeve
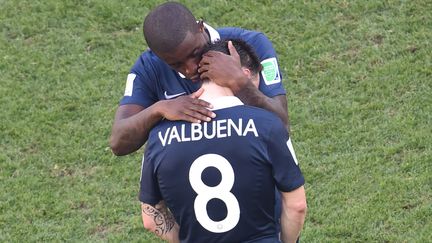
(286, 171)
(149, 187)
(270, 77)
(140, 84)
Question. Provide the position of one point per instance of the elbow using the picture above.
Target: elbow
(299, 207)
(302, 208)
(116, 147)
(147, 220)
(149, 225)
(117, 151)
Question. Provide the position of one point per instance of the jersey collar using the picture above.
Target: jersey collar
(214, 35)
(225, 102)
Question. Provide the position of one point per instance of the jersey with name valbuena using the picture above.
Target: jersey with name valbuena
(151, 79)
(218, 178)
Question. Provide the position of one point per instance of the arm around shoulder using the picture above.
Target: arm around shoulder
(251, 95)
(132, 123)
(131, 127)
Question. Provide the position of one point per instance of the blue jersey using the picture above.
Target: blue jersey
(151, 79)
(218, 178)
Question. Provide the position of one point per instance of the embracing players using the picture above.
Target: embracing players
(218, 178)
(164, 82)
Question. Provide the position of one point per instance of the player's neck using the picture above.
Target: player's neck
(213, 91)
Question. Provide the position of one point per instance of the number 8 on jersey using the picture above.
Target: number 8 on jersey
(221, 191)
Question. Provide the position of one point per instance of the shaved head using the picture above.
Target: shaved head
(166, 26)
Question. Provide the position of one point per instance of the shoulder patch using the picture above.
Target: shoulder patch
(129, 84)
(270, 71)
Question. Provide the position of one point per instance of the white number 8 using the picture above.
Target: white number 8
(221, 191)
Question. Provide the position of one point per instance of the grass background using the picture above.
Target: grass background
(359, 82)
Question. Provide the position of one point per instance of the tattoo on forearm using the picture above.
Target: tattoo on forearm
(162, 217)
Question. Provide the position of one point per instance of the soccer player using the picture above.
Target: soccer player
(165, 80)
(218, 178)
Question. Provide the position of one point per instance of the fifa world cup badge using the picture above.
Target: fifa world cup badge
(270, 72)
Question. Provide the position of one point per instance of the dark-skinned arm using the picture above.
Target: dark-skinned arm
(249, 94)
(132, 123)
(226, 71)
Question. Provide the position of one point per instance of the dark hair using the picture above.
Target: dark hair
(166, 26)
(248, 57)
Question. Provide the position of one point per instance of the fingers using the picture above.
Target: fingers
(199, 102)
(194, 114)
(205, 76)
(189, 108)
(232, 50)
(197, 93)
(202, 103)
(198, 114)
(204, 72)
(186, 117)
(202, 107)
(203, 68)
(208, 57)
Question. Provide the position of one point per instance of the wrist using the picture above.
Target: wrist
(159, 109)
(239, 83)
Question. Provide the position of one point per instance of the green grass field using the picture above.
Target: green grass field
(359, 82)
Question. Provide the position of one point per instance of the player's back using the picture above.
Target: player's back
(216, 177)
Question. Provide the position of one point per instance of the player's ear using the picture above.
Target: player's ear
(247, 72)
(254, 78)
